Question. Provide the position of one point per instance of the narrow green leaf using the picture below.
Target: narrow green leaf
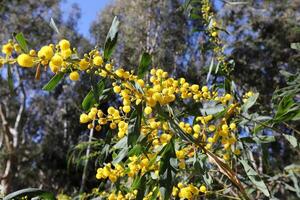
(291, 139)
(111, 39)
(249, 103)
(53, 82)
(53, 25)
(30, 193)
(10, 80)
(167, 171)
(145, 62)
(134, 126)
(90, 99)
(121, 155)
(254, 178)
(22, 42)
(210, 69)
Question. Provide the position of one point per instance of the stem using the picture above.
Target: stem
(84, 174)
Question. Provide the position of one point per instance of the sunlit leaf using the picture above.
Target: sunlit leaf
(111, 39)
(145, 62)
(22, 42)
(254, 178)
(53, 82)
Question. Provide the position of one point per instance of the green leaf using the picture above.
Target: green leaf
(295, 46)
(167, 172)
(134, 126)
(255, 178)
(121, 155)
(90, 99)
(22, 42)
(30, 193)
(210, 69)
(249, 103)
(258, 139)
(111, 39)
(291, 139)
(53, 25)
(10, 80)
(139, 184)
(136, 150)
(53, 82)
(145, 62)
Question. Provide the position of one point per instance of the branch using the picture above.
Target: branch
(22, 106)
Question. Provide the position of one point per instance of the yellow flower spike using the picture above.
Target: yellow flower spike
(74, 76)
(113, 125)
(25, 60)
(46, 52)
(148, 110)
(98, 61)
(83, 64)
(64, 44)
(7, 49)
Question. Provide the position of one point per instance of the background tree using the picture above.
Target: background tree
(259, 42)
(35, 153)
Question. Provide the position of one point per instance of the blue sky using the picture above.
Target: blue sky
(89, 11)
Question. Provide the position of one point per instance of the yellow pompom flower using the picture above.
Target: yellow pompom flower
(25, 60)
(74, 76)
(54, 68)
(66, 53)
(83, 64)
(46, 52)
(117, 89)
(126, 109)
(214, 34)
(84, 118)
(197, 128)
(202, 189)
(57, 60)
(7, 48)
(64, 44)
(98, 61)
(148, 110)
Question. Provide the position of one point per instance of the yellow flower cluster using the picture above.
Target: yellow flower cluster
(213, 32)
(188, 192)
(160, 92)
(108, 172)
